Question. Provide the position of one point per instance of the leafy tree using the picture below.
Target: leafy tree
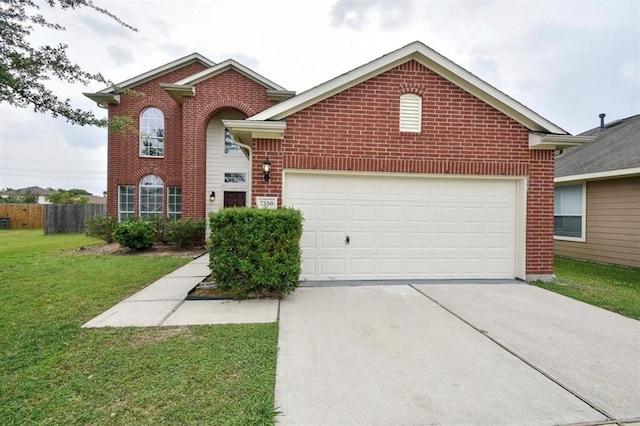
(69, 196)
(24, 69)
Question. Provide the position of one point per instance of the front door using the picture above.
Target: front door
(235, 199)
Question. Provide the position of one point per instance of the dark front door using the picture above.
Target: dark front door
(235, 199)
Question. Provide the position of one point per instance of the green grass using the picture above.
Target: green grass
(611, 287)
(54, 372)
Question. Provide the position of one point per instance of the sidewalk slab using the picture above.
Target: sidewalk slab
(134, 314)
(593, 351)
(192, 269)
(388, 355)
(201, 312)
(167, 288)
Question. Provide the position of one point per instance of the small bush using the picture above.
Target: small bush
(160, 224)
(101, 227)
(137, 235)
(255, 250)
(185, 234)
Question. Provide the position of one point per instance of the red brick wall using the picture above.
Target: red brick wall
(124, 165)
(229, 89)
(358, 129)
(185, 151)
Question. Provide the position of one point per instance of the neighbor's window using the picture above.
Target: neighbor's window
(410, 113)
(151, 196)
(152, 133)
(125, 202)
(568, 212)
(230, 146)
(174, 202)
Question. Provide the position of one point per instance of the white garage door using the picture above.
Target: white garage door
(359, 227)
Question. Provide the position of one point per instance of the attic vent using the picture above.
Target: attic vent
(410, 113)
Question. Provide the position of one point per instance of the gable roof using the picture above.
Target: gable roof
(224, 66)
(429, 58)
(615, 151)
(161, 70)
(110, 95)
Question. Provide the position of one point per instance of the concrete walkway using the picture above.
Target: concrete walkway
(162, 304)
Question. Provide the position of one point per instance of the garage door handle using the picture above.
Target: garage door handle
(347, 239)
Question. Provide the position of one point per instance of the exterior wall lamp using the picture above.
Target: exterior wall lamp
(212, 196)
(266, 170)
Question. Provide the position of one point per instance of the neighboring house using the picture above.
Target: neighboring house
(408, 167)
(597, 196)
(40, 193)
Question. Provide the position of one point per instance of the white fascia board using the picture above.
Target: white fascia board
(246, 130)
(177, 91)
(540, 141)
(599, 175)
(226, 65)
(164, 69)
(430, 59)
(103, 99)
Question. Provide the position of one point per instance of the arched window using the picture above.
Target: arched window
(152, 133)
(410, 113)
(151, 196)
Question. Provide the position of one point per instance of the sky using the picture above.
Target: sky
(568, 60)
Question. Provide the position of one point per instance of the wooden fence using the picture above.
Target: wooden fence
(70, 218)
(23, 216)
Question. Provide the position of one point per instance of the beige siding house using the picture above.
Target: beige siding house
(597, 196)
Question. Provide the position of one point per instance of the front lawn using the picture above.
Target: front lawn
(54, 372)
(615, 288)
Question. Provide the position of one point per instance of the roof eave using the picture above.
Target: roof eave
(246, 131)
(280, 95)
(539, 141)
(161, 70)
(178, 91)
(104, 99)
(608, 174)
(231, 64)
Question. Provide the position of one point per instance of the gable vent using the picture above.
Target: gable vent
(410, 113)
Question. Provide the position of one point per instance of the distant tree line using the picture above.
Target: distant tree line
(58, 196)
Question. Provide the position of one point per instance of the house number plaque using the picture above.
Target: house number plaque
(267, 202)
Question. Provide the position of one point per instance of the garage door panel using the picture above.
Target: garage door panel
(389, 266)
(404, 227)
(332, 267)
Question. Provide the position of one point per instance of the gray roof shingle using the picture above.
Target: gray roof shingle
(614, 148)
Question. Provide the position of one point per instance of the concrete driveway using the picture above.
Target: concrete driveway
(453, 354)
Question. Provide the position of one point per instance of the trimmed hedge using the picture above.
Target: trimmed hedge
(185, 234)
(135, 234)
(255, 250)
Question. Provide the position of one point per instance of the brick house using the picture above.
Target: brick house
(406, 167)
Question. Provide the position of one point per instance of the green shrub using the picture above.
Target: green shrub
(160, 224)
(135, 234)
(185, 234)
(255, 250)
(101, 227)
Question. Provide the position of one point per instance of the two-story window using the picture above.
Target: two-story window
(151, 133)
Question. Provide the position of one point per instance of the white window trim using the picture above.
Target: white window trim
(120, 211)
(583, 231)
(140, 144)
(168, 195)
(161, 214)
